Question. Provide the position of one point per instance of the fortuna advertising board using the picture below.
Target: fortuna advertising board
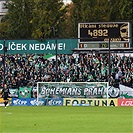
(89, 102)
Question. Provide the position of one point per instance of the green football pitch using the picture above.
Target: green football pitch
(66, 119)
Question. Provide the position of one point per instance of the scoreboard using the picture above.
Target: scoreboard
(98, 35)
(104, 45)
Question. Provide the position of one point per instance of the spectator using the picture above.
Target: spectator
(27, 69)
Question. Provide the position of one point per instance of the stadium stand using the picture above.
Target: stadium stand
(28, 69)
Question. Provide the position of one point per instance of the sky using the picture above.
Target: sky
(67, 1)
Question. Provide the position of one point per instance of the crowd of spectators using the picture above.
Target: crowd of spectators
(28, 69)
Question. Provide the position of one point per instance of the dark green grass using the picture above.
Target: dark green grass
(66, 120)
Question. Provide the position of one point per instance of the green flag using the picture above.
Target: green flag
(24, 92)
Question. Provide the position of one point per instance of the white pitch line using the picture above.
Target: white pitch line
(9, 113)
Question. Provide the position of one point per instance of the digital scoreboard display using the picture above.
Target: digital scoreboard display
(99, 33)
(104, 45)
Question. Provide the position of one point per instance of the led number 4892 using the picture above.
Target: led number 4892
(98, 32)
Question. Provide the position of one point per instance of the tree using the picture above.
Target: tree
(98, 11)
(101, 11)
(3, 30)
(120, 10)
(81, 12)
(36, 18)
(33, 19)
(48, 15)
(18, 18)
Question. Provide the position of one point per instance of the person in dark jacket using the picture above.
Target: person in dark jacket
(5, 94)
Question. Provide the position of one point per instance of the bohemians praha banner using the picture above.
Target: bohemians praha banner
(72, 90)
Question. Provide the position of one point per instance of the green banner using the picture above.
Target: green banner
(73, 89)
(64, 46)
(25, 92)
(13, 92)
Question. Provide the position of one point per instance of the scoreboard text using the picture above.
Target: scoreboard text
(103, 31)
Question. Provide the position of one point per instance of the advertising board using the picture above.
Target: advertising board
(54, 102)
(65, 46)
(125, 102)
(34, 102)
(89, 102)
(2, 102)
(26, 102)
